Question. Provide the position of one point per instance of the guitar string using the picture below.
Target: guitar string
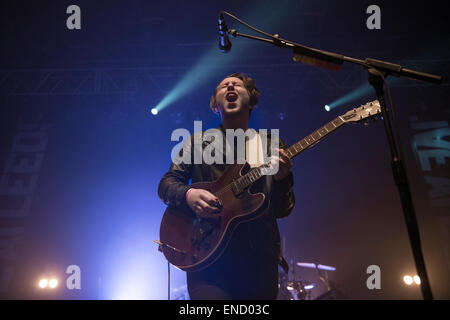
(291, 155)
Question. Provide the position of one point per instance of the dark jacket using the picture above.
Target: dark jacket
(260, 236)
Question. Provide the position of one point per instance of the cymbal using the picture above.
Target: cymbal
(314, 266)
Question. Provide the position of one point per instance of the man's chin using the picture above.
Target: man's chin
(233, 112)
(232, 108)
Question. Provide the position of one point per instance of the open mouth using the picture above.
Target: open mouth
(231, 97)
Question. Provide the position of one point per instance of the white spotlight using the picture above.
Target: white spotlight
(53, 283)
(417, 279)
(43, 283)
(408, 280)
(154, 111)
(327, 108)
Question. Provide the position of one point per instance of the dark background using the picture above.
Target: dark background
(95, 204)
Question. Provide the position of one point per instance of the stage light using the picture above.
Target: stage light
(351, 96)
(327, 108)
(408, 280)
(417, 279)
(43, 283)
(212, 61)
(357, 93)
(154, 111)
(53, 283)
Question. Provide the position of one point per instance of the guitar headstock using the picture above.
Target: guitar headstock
(366, 111)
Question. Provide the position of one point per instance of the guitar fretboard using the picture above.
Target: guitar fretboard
(256, 173)
(314, 137)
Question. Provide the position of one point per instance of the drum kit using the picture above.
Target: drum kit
(292, 288)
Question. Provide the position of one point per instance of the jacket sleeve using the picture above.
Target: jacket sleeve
(175, 182)
(283, 195)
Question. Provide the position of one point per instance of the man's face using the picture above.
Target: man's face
(232, 97)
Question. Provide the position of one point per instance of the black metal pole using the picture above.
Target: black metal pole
(401, 180)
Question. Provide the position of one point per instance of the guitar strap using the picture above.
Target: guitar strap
(253, 151)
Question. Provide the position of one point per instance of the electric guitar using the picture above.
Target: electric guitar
(192, 243)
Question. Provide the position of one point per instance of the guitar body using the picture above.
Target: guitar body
(191, 243)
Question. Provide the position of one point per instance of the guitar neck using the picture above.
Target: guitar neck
(314, 137)
(293, 151)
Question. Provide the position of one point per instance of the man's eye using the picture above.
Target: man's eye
(234, 85)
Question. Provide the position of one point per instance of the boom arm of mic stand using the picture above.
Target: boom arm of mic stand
(282, 44)
(390, 68)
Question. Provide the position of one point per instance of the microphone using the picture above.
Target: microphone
(224, 42)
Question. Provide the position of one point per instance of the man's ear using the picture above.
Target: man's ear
(215, 108)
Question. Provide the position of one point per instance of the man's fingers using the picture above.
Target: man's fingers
(205, 207)
(286, 162)
(283, 155)
(209, 198)
(284, 159)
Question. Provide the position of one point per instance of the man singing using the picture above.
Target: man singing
(248, 267)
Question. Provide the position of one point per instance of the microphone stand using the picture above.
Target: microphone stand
(378, 70)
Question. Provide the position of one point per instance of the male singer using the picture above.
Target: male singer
(248, 268)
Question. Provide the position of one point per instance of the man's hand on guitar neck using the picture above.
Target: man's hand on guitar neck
(284, 165)
(202, 202)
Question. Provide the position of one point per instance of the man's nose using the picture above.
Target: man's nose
(230, 87)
